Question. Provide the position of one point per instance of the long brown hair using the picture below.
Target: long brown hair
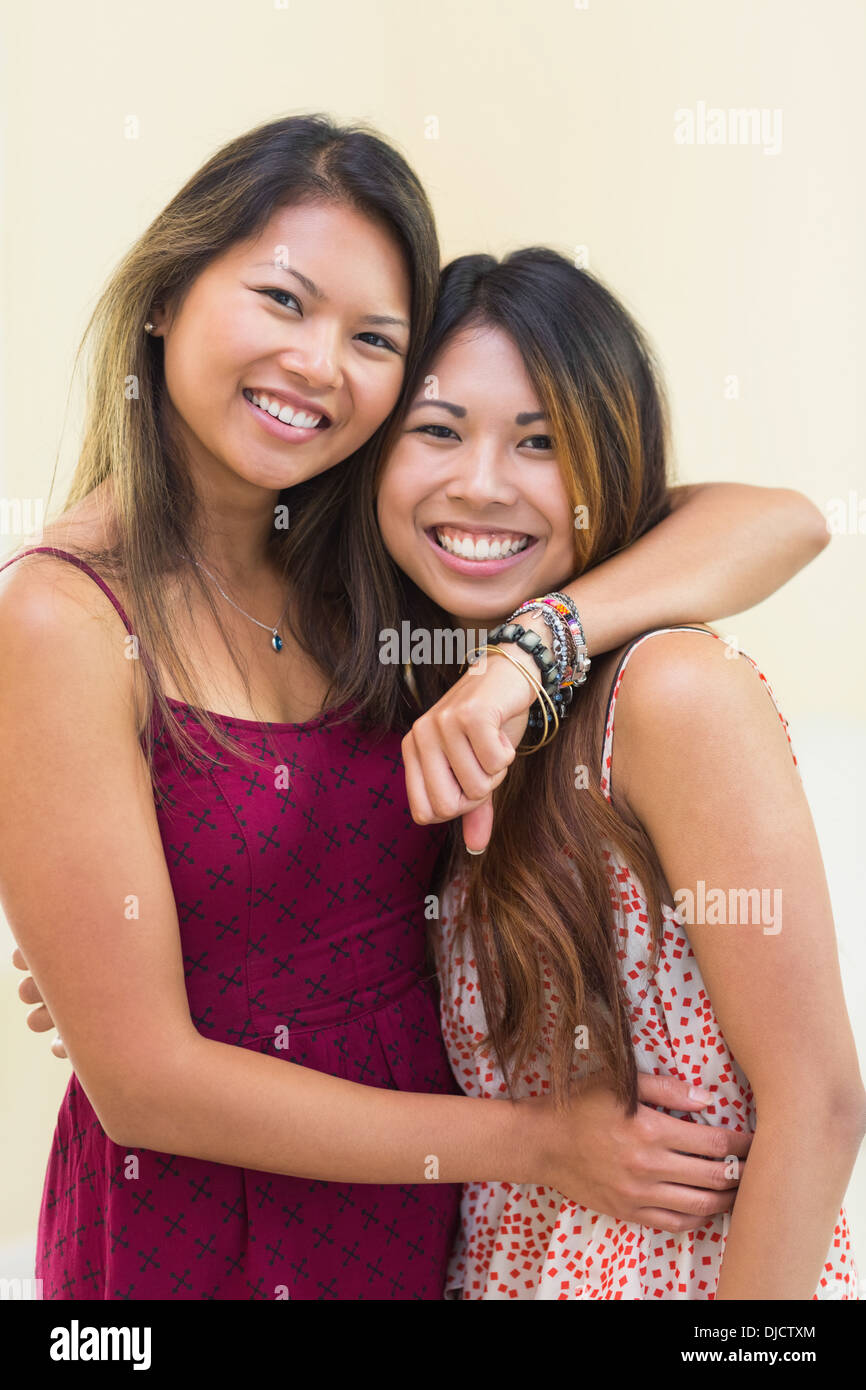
(286, 162)
(530, 920)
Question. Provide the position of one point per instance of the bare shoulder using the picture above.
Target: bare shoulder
(59, 631)
(62, 643)
(672, 665)
(681, 669)
(691, 707)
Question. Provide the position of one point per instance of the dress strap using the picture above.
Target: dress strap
(82, 565)
(616, 682)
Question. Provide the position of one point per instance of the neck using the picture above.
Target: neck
(234, 519)
(235, 554)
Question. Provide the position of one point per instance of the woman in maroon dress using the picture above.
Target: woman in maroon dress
(227, 919)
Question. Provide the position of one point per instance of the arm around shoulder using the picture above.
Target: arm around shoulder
(79, 847)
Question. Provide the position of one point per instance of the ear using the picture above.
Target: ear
(160, 316)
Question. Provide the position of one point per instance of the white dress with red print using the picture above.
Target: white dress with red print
(530, 1242)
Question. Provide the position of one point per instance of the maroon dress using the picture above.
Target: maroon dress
(301, 913)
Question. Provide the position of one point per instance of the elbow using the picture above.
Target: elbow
(122, 1131)
(831, 1113)
(130, 1113)
(838, 1114)
(849, 1114)
(111, 1116)
(120, 1134)
(841, 1097)
(142, 1097)
(124, 1125)
(810, 522)
(148, 1104)
(140, 1128)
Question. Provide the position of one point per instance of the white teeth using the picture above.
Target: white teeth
(289, 416)
(483, 548)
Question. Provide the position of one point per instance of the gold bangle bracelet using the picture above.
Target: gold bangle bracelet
(541, 694)
(533, 680)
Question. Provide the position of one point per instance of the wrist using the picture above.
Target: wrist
(512, 692)
(533, 622)
(531, 1143)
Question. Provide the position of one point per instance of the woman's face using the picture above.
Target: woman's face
(474, 473)
(311, 318)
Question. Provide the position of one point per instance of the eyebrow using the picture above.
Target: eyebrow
(312, 288)
(526, 417)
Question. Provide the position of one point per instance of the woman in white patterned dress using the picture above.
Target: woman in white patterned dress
(665, 913)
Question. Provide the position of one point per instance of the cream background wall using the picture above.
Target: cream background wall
(529, 121)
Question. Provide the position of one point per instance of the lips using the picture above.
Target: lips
(475, 563)
(481, 544)
(287, 407)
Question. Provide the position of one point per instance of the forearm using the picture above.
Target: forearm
(787, 1206)
(224, 1104)
(724, 548)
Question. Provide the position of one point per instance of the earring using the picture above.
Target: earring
(148, 327)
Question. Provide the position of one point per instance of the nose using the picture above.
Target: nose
(479, 476)
(314, 355)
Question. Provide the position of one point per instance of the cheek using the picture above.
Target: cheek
(562, 527)
(198, 350)
(386, 511)
(394, 509)
(235, 335)
(376, 390)
(180, 373)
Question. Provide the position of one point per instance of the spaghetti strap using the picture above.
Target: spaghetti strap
(82, 565)
(616, 682)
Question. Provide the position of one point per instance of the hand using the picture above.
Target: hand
(39, 1019)
(652, 1169)
(457, 752)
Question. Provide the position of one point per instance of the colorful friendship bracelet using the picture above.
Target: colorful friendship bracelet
(567, 609)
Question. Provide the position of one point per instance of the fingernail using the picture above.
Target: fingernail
(473, 851)
(698, 1093)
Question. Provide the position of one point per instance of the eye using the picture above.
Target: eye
(539, 442)
(273, 293)
(379, 341)
(432, 430)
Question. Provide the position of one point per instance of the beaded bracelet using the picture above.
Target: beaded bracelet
(555, 675)
(563, 644)
(565, 605)
(567, 609)
(532, 643)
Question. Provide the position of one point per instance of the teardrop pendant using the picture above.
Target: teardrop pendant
(277, 641)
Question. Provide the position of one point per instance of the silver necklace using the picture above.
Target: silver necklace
(276, 639)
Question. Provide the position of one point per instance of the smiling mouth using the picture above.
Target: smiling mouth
(480, 545)
(286, 414)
